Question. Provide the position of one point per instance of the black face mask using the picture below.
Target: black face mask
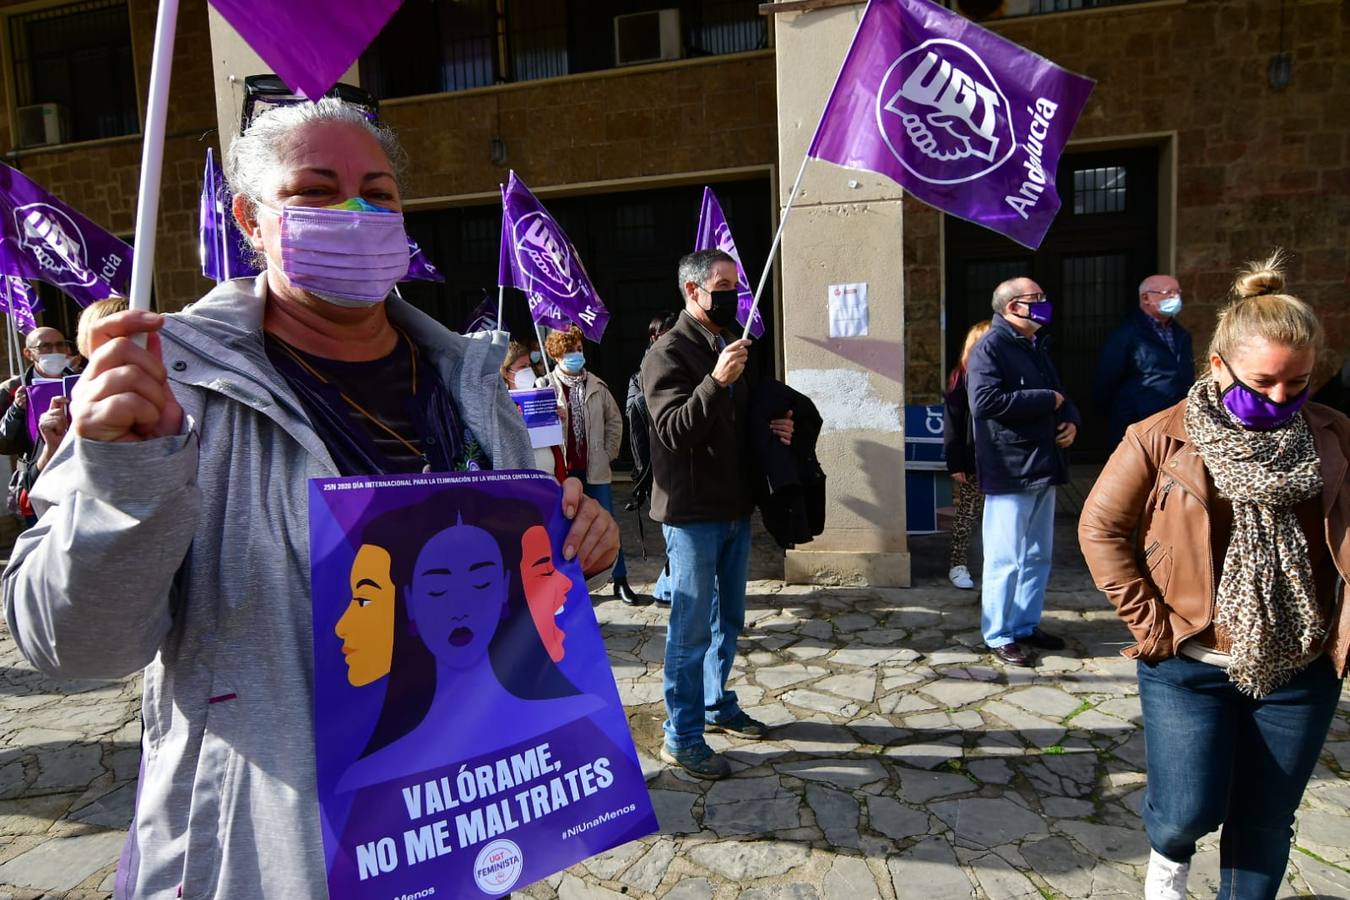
(722, 312)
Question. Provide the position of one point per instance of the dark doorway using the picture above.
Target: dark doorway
(1103, 243)
(630, 243)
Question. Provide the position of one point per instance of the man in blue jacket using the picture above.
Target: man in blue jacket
(1146, 364)
(1022, 423)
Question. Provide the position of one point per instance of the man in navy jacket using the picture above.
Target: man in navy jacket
(1146, 364)
(1022, 423)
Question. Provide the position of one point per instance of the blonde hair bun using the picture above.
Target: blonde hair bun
(1261, 277)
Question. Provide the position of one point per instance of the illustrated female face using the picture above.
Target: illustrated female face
(545, 588)
(457, 595)
(367, 627)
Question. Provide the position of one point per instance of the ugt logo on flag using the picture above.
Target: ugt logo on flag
(961, 118)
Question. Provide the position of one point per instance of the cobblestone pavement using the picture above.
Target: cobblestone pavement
(905, 763)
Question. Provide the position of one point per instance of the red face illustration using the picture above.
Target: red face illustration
(545, 588)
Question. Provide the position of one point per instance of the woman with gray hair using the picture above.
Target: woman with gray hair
(174, 523)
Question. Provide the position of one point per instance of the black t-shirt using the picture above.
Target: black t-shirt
(410, 422)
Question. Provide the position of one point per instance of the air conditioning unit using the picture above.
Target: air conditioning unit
(646, 37)
(41, 124)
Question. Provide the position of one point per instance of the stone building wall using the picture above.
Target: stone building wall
(100, 178)
(648, 122)
(1256, 167)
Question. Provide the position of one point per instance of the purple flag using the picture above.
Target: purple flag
(20, 301)
(419, 267)
(219, 241)
(221, 244)
(542, 262)
(469, 737)
(43, 238)
(963, 119)
(483, 317)
(715, 234)
(308, 43)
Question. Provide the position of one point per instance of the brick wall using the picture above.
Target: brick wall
(100, 178)
(633, 123)
(1257, 168)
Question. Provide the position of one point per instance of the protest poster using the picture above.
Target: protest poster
(539, 406)
(469, 737)
(40, 394)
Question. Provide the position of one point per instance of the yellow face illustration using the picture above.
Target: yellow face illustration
(367, 627)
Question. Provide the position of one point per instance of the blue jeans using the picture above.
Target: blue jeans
(1019, 535)
(1217, 756)
(709, 562)
(604, 495)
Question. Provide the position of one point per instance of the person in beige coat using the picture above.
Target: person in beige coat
(592, 431)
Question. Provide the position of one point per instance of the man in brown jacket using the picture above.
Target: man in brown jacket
(701, 495)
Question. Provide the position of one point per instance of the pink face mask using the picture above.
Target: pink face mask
(351, 254)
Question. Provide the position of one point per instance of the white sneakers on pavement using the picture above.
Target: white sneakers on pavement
(1166, 880)
(960, 576)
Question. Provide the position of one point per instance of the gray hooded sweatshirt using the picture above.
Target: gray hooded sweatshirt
(188, 556)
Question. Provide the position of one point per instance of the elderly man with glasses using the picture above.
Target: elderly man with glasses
(1146, 365)
(49, 356)
(1023, 423)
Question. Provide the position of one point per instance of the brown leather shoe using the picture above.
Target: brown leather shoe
(1011, 654)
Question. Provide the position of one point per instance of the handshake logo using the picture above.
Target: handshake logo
(942, 114)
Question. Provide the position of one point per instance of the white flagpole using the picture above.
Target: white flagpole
(501, 295)
(548, 367)
(13, 342)
(792, 195)
(152, 156)
(773, 248)
(224, 220)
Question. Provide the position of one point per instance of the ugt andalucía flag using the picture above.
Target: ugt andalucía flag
(963, 119)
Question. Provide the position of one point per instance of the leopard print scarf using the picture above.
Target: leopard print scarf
(1267, 600)
(576, 402)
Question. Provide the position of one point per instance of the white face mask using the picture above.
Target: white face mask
(52, 364)
(524, 379)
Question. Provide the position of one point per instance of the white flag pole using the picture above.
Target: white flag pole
(152, 156)
(773, 248)
(501, 296)
(792, 195)
(13, 340)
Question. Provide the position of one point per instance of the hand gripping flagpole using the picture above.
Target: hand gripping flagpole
(796, 185)
(152, 156)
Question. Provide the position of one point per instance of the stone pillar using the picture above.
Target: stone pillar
(232, 60)
(844, 227)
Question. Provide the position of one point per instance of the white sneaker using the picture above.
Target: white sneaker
(1166, 880)
(960, 576)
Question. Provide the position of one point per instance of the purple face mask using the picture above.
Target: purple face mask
(1254, 410)
(1039, 312)
(350, 255)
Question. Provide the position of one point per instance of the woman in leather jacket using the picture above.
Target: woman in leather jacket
(1220, 531)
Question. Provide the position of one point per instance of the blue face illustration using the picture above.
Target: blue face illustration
(457, 594)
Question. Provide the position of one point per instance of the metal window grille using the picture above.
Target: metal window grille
(728, 26)
(635, 227)
(991, 9)
(480, 235)
(429, 47)
(537, 37)
(1099, 190)
(78, 57)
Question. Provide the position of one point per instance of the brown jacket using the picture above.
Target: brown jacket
(1145, 532)
(699, 432)
(604, 424)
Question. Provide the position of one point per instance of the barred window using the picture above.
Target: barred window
(73, 73)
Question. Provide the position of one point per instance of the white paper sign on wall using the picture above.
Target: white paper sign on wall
(848, 310)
